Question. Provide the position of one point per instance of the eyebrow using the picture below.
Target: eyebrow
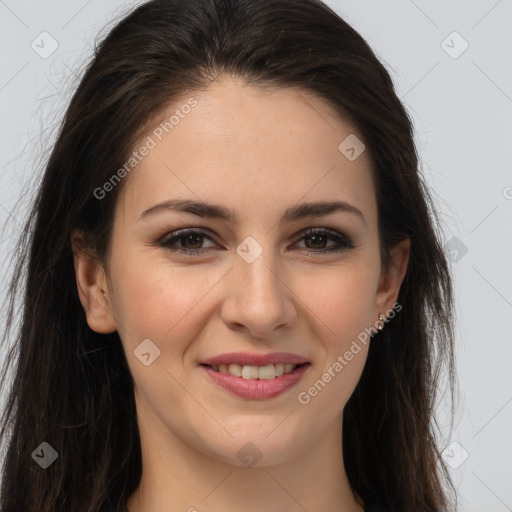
(213, 211)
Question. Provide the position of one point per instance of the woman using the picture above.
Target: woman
(292, 362)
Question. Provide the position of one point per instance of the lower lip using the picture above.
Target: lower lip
(257, 389)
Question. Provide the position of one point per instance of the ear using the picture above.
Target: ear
(390, 281)
(92, 286)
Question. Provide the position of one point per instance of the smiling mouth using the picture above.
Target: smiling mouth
(250, 372)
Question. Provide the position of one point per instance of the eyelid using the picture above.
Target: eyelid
(184, 232)
(344, 241)
(328, 232)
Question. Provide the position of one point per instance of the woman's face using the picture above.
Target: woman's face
(255, 282)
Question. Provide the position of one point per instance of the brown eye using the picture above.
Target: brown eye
(186, 241)
(192, 241)
(316, 241)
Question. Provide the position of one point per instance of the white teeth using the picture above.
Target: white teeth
(267, 372)
(235, 370)
(279, 369)
(250, 372)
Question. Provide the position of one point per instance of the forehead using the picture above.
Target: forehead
(245, 147)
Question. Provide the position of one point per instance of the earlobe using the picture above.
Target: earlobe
(390, 282)
(92, 287)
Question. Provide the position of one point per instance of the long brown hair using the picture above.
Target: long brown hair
(72, 387)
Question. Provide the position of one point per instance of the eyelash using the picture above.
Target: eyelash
(344, 241)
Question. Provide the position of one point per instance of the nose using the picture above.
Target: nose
(259, 300)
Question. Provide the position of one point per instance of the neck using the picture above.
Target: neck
(178, 477)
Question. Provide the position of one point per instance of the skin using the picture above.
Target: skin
(257, 152)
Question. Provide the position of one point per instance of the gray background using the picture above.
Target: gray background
(461, 104)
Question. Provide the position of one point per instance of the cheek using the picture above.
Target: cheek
(157, 300)
(341, 298)
(167, 305)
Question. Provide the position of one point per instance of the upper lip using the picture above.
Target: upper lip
(245, 358)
